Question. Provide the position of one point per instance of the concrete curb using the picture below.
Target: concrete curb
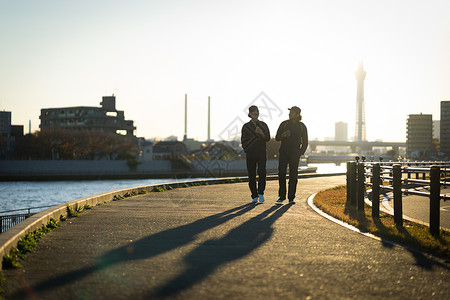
(337, 221)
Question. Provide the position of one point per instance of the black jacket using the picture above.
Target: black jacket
(253, 142)
(297, 142)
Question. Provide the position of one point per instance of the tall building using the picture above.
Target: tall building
(340, 131)
(436, 129)
(436, 135)
(105, 118)
(9, 134)
(419, 135)
(445, 128)
(5, 123)
(360, 127)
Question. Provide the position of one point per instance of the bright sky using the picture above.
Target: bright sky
(151, 53)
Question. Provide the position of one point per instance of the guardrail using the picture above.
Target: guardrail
(390, 176)
(8, 220)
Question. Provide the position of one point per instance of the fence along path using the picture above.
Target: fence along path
(392, 173)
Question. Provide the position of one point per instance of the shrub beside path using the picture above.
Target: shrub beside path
(210, 242)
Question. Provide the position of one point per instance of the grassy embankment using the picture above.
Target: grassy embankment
(334, 202)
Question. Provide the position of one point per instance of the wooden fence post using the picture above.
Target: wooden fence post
(353, 183)
(360, 186)
(376, 190)
(435, 198)
(397, 185)
(348, 182)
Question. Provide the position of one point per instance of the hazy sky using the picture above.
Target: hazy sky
(151, 53)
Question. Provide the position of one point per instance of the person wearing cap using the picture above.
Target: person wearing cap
(293, 135)
(255, 134)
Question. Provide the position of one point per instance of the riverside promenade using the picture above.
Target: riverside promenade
(210, 242)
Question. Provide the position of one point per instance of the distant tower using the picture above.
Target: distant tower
(185, 117)
(209, 119)
(360, 128)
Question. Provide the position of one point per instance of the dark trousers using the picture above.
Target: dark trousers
(285, 159)
(256, 162)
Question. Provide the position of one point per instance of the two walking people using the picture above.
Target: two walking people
(293, 136)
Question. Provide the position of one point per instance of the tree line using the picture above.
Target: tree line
(63, 144)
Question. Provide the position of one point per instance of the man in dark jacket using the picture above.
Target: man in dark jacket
(294, 141)
(255, 134)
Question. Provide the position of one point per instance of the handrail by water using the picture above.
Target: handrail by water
(28, 209)
(8, 220)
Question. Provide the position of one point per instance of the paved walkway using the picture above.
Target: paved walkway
(208, 242)
(418, 208)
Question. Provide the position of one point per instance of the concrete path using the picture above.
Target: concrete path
(418, 208)
(208, 242)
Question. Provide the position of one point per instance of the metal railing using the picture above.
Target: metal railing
(390, 176)
(8, 220)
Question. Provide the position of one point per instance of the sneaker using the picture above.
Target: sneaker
(280, 201)
(261, 198)
(291, 202)
(255, 200)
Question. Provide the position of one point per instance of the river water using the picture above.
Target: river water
(26, 194)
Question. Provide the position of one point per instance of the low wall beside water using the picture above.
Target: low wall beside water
(80, 169)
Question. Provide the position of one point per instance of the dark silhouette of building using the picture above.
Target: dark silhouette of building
(105, 118)
(217, 151)
(169, 150)
(9, 135)
(16, 130)
(5, 123)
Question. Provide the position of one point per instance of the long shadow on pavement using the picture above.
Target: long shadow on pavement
(147, 247)
(211, 254)
(421, 260)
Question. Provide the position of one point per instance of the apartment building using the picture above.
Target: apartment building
(419, 134)
(105, 118)
(444, 134)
